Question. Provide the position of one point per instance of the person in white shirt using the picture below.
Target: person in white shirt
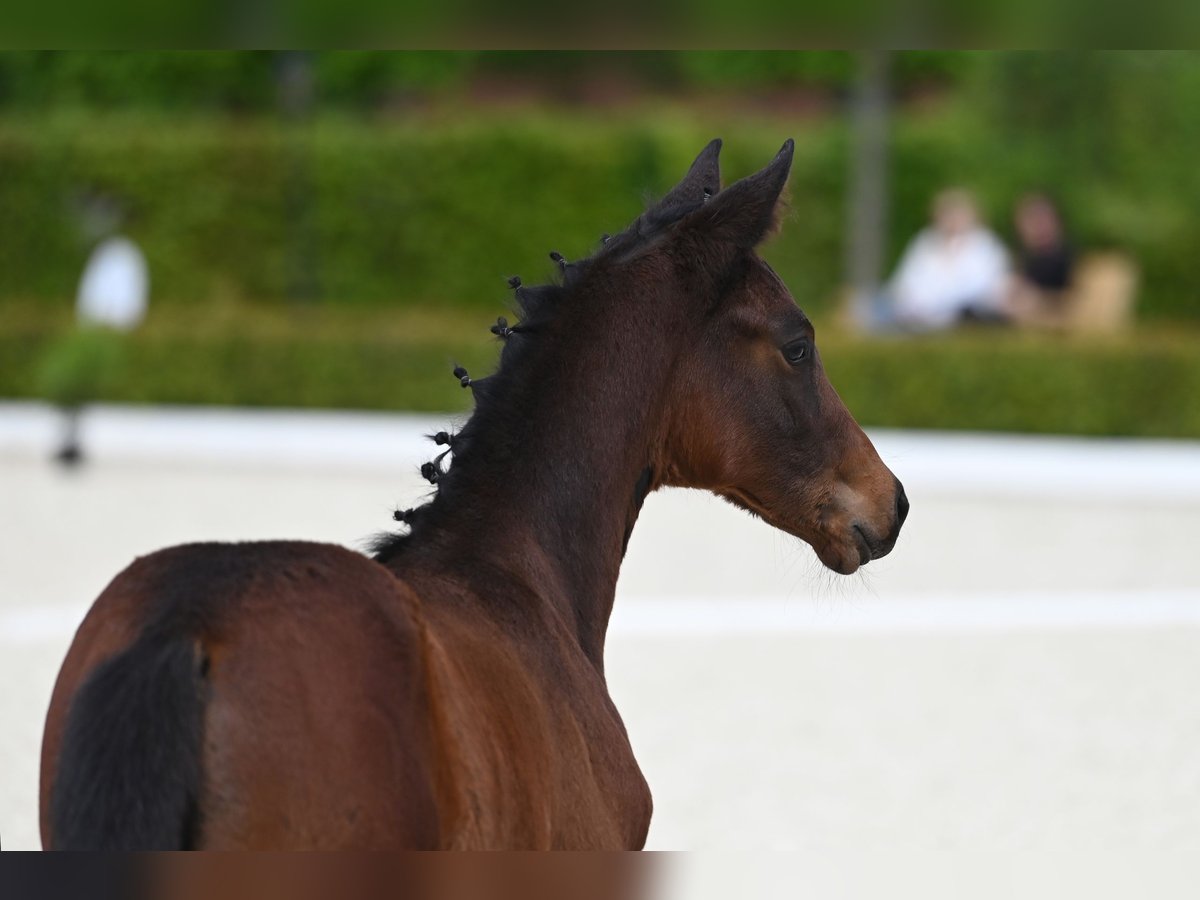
(111, 302)
(113, 290)
(956, 270)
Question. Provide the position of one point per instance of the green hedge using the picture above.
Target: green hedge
(436, 212)
(1136, 387)
(1143, 385)
(426, 212)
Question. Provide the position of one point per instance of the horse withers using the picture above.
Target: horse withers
(449, 691)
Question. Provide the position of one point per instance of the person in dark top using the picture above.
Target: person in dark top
(1045, 262)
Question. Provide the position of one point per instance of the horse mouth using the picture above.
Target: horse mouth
(876, 547)
(834, 551)
(843, 558)
(866, 552)
(850, 551)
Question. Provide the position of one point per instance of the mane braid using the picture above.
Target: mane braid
(537, 307)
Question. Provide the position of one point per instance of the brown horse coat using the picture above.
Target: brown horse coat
(435, 711)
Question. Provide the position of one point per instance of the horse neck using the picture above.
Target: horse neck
(549, 487)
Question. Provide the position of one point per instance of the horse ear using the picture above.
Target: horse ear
(703, 179)
(744, 213)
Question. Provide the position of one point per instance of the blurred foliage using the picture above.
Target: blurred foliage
(1138, 385)
(830, 69)
(418, 212)
(389, 206)
(166, 80)
(247, 80)
(432, 208)
(80, 366)
(454, 23)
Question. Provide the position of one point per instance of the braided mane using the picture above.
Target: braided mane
(537, 307)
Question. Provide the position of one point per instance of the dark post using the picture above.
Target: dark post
(867, 212)
(294, 81)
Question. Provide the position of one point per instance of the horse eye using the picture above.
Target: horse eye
(796, 352)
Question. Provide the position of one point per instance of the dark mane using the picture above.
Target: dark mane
(537, 306)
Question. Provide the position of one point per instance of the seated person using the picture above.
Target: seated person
(1047, 263)
(954, 271)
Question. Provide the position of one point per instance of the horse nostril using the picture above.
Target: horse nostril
(901, 504)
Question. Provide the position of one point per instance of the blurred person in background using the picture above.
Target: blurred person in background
(1046, 257)
(113, 289)
(954, 271)
(111, 302)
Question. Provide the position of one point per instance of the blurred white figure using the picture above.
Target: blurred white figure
(112, 300)
(954, 270)
(113, 290)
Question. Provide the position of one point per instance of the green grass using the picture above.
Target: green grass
(1146, 383)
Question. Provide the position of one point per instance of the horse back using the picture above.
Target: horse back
(305, 664)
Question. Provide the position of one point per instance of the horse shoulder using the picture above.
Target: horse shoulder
(532, 753)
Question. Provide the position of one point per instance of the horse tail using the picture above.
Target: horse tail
(129, 771)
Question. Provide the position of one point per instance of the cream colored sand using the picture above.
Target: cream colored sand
(1023, 672)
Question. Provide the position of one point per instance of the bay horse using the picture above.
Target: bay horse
(449, 691)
